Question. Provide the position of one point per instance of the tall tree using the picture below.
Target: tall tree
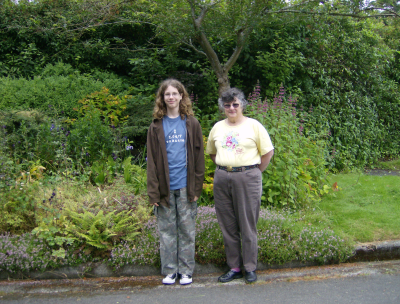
(203, 25)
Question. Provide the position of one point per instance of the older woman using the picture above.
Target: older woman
(241, 148)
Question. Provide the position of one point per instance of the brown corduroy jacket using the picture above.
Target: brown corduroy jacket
(157, 162)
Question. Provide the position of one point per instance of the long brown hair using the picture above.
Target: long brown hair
(185, 105)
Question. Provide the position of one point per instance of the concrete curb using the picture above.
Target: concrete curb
(388, 250)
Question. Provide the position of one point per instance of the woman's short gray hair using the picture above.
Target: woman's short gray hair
(229, 96)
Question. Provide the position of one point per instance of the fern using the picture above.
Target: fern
(102, 230)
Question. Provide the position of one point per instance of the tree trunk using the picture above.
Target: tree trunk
(223, 83)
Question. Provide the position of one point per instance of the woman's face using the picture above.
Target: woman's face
(233, 110)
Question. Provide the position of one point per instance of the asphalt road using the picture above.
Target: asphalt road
(367, 282)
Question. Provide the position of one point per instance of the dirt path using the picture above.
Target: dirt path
(381, 172)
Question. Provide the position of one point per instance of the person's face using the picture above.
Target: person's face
(172, 98)
(233, 109)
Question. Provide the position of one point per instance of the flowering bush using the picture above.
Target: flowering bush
(209, 242)
(27, 253)
(280, 240)
(321, 246)
(143, 251)
(22, 253)
(275, 240)
(297, 173)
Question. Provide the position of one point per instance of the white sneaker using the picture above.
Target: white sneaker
(169, 279)
(185, 279)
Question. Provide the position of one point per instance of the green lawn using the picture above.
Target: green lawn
(390, 165)
(365, 208)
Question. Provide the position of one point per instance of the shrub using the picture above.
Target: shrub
(139, 109)
(346, 71)
(17, 209)
(23, 253)
(282, 237)
(208, 184)
(58, 86)
(90, 138)
(144, 251)
(209, 241)
(27, 253)
(111, 107)
(297, 173)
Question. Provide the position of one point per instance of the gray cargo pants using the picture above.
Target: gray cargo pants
(177, 227)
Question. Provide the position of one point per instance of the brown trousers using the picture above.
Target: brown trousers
(237, 198)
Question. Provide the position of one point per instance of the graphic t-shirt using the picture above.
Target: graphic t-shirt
(240, 145)
(175, 140)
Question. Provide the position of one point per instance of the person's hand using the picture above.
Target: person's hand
(156, 204)
(195, 199)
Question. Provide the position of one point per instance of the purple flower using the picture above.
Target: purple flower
(52, 127)
(129, 148)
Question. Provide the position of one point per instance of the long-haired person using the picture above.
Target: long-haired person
(175, 174)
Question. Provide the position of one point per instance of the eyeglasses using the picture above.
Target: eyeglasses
(174, 94)
(228, 105)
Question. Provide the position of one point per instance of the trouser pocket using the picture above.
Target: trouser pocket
(193, 212)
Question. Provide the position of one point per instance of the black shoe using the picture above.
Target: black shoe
(250, 277)
(229, 276)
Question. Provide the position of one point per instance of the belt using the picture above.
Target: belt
(237, 169)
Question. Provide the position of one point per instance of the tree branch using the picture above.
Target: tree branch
(355, 15)
(202, 38)
(242, 35)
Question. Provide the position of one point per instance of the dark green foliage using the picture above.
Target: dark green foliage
(47, 31)
(17, 208)
(340, 70)
(351, 94)
(90, 138)
(347, 70)
(140, 112)
(297, 174)
(59, 87)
